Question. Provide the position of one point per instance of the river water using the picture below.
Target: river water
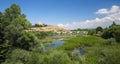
(55, 43)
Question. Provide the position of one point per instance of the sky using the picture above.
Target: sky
(69, 14)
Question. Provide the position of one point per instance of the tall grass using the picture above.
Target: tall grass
(81, 41)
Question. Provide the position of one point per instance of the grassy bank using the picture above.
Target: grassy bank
(80, 41)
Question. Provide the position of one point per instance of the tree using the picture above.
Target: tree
(1, 28)
(27, 41)
(113, 24)
(112, 32)
(108, 33)
(23, 21)
(12, 24)
(117, 34)
(99, 29)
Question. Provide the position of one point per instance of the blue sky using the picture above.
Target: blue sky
(56, 12)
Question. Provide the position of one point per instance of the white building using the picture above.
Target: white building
(40, 23)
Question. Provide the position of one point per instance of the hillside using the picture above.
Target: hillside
(55, 29)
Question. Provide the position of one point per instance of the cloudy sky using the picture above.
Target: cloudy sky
(69, 14)
(110, 15)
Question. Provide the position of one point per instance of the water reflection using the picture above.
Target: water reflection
(55, 43)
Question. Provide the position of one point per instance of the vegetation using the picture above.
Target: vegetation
(18, 46)
(81, 41)
(112, 32)
(37, 25)
(12, 24)
(99, 29)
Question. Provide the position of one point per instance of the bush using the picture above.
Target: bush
(35, 58)
(117, 35)
(112, 54)
(39, 48)
(27, 41)
(76, 56)
(111, 32)
(18, 56)
(58, 57)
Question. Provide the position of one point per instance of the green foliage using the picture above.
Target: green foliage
(18, 56)
(113, 24)
(77, 57)
(107, 34)
(37, 25)
(117, 34)
(53, 57)
(11, 13)
(12, 32)
(111, 54)
(81, 41)
(35, 58)
(18, 46)
(58, 57)
(107, 54)
(91, 32)
(12, 24)
(93, 55)
(27, 41)
(113, 31)
(39, 48)
(99, 29)
(23, 21)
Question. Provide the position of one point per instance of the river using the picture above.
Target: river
(55, 43)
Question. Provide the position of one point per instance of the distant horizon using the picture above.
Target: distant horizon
(69, 14)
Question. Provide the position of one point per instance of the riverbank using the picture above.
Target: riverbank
(81, 41)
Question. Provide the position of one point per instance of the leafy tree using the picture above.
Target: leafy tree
(27, 41)
(37, 25)
(99, 29)
(113, 24)
(112, 32)
(23, 21)
(12, 24)
(108, 33)
(12, 32)
(117, 34)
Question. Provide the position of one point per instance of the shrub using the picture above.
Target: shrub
(117, 35)
(18, 56)
(27, 41)
(58, 57)
(76, 56)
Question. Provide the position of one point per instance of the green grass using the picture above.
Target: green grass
(108, 54)
(80, 41)
(99, 50)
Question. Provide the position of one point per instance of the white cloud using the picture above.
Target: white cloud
(113, 14)
(102, 11)
(113, 9)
